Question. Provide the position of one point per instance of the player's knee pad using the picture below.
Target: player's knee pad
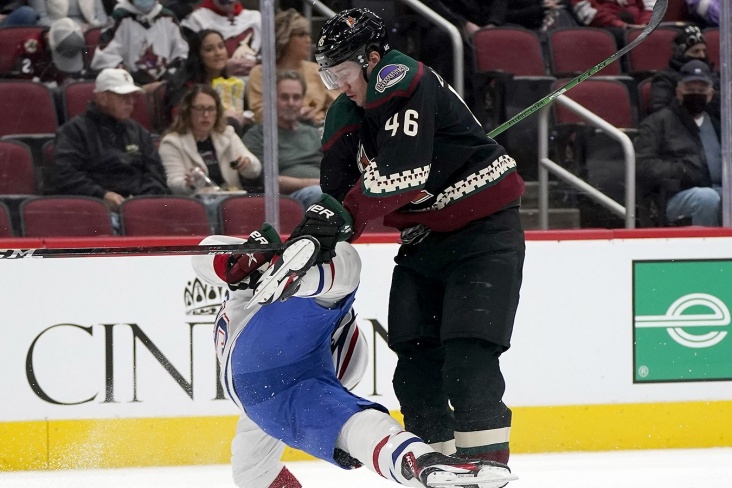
(350, 353)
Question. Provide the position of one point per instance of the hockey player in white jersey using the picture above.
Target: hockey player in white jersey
(288, 363)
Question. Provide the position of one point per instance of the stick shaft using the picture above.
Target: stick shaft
(659, 10)
(136, 250)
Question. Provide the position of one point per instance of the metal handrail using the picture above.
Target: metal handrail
(546, 165)
(455, 38)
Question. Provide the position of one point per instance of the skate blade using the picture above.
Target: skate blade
(485, 478)
(297, 257)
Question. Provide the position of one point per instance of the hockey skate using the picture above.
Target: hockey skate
(282, 278)
(436, 470)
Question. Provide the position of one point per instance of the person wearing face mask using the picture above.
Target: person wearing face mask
(689, 44)
(145, 40)
(678, 151)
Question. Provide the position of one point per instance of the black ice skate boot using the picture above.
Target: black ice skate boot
(435, 470)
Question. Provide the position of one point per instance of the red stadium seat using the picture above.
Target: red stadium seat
(606, 98)
(164, 215)
(11, 40)
(644, 97)
(65, 216)
(713, 50)
(6, 228)
(16, 169)
(241, 214)
(77, 95)
(653, 53)
(27, 109)
(573, 50)
(508, 49)
(677, 11)
(91, 38)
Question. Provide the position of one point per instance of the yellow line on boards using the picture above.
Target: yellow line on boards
(112, 443)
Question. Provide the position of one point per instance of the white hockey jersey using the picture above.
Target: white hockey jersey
(150, 45)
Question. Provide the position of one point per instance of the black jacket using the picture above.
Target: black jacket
(669, 152)
(663, 87)
(95, 153)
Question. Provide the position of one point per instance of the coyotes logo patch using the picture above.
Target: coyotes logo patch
(363, 160)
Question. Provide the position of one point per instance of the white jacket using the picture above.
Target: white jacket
(179, 154)
(204, 18)
(147, 43)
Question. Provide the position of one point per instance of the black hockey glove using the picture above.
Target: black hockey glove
(328, 222)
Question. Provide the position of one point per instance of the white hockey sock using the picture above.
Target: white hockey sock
(380, 443)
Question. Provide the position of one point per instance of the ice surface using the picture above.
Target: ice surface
(697, 468)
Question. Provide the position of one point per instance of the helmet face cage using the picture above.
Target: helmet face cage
(349, 36)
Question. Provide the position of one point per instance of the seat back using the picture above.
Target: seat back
(91, 39)
(713, 49)
(573, 50)
(241, 214)
(16, 169)
(11, 41)
(644, 97)
(653, 53)
(164, 215)
(65, 216)
(508, 49)
(677, 11)
(27, 108)
(77, 95)
(607, 98)
(6, 227)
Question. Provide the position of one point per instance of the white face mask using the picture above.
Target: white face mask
(144, 6)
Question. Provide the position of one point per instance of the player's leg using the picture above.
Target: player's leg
(415, 306)
(481, 298)
(255, 458)
(398, 455)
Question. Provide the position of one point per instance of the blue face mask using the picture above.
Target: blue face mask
(144, 6)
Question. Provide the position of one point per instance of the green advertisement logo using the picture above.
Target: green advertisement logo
(681, 320)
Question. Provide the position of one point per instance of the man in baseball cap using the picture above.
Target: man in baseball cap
(105, 154)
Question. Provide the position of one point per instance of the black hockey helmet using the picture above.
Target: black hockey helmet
(349, 36)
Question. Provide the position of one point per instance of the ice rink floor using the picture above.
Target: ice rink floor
(698, 468)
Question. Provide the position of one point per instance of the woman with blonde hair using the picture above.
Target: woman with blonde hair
(293, 51)
(199, 139)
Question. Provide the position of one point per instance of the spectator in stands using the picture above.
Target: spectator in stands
(540, 14)
(614, 15)
(298, 144)
(200, 139)
(181, 8)
(102, 152)
(234, 22)
(293, 51)
(32, 60)
(16, 12)
(67, 44)
(86, 13)
(706, 11)
(145, 40)
(678, 149)
(688, 45)
(206, 64)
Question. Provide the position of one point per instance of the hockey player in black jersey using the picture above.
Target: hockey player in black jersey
(400, 145)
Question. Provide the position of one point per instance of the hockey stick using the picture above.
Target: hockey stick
(659, 10)
(243, 248)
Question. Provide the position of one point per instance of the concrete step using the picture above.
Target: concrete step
(559, 218)
(530, 198)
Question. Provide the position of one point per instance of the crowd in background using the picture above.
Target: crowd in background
(198, 62)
